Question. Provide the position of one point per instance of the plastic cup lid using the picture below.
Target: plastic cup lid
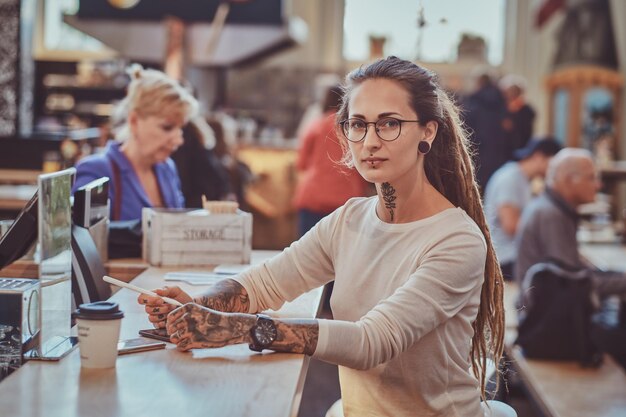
(100, 310)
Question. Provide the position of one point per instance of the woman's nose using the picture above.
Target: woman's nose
(371, 139)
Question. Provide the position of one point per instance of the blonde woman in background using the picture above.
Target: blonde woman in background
(150, 122)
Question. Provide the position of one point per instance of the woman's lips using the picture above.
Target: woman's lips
(374, 162)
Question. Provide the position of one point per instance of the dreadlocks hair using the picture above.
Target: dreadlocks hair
(450, 169)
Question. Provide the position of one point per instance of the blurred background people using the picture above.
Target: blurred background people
(520, 116)
(200, 170)
(509, 191)
(324, 184)
(547, 231)
(547, 235)
(149, 128)
(239, 173)
(485, 110)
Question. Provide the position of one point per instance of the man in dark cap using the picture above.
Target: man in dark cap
(509, 191)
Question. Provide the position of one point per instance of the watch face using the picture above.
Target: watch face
(265, 332)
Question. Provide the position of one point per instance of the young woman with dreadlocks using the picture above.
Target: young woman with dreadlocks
(417, 303)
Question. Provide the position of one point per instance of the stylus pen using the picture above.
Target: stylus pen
(119, 283)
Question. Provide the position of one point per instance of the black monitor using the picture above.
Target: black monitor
(21, 235)
(87, 269)
(91, 202)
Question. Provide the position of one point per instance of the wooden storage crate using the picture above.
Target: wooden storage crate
(195, 237)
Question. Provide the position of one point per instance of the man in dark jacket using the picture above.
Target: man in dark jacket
(484, 112)
(520, 116)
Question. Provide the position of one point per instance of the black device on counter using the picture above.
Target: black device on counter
(158, 334)
(91, 203)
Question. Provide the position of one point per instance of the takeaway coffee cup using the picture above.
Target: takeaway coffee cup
(98, 332)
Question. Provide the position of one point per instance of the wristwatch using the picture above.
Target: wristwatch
(263, 333)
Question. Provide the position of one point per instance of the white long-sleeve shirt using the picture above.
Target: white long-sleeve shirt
(404, 298)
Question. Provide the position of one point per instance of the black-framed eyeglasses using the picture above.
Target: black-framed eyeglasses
(387, 128)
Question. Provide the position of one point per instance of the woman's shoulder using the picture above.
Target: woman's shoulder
(353, 212)
(99, 162)
(460, 225)
(101, 159)
(357, 204)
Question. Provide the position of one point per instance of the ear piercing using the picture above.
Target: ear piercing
(423, 147)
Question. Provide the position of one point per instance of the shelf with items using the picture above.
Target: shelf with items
(69, 90)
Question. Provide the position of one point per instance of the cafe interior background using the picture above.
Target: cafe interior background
(63, 67)
(261, 67)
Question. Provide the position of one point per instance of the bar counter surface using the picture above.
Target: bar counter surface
(124, 269)
(230, 381)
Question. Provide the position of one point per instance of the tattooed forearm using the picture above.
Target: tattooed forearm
(389, 196)
(197, 327)
(296, 336)
(226, 295)
(193, 326)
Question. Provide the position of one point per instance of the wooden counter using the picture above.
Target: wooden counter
(19, 176)
(565, 389)
(230, 381)
(124, 269)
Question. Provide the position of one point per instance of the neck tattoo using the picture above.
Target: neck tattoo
(389, 196)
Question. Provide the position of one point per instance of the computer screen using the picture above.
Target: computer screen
(55, 225)
(21, 235)
(91, 203)
(55, 255)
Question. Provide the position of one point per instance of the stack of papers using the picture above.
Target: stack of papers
(206, 278)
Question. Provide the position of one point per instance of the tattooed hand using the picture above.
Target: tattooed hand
(193, 326)
(158, 309)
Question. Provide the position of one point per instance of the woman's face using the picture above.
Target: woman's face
(376, 160)
(157, 137)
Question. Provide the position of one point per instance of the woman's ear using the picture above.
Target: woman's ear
(430, 131)
(133, 119)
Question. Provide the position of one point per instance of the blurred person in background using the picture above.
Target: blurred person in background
(321, 84)
(547, 235)
(239, 173)
(520, 116)
(548, 227)
(149, 123)
(200, 170)
(323, 184)
(509, 191)
(484, 111)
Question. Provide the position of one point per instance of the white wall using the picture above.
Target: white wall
(323, 49)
